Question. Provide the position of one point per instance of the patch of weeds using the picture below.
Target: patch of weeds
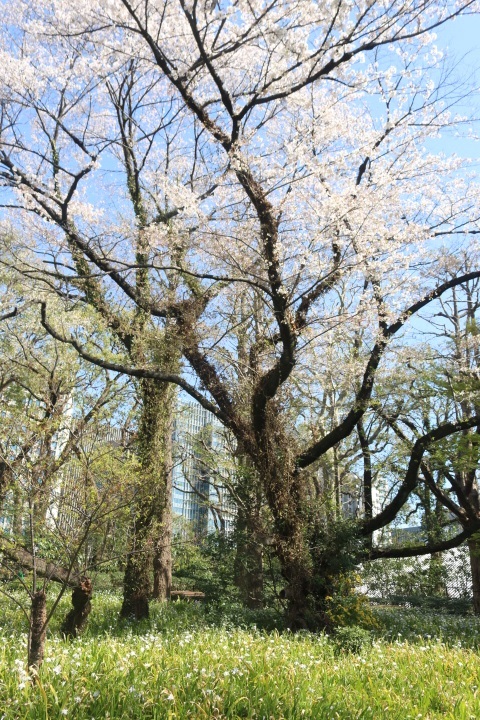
(352, 639)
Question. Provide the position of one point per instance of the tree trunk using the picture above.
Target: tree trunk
(291, 545)
(38, 629)
(162, 558)
(249, 535)
(18, 515)
(474, 551)
(162, 565)
(313, 548)
(301, 609)
(76, 619)
(248, 562)
(136, 581)
(152, 504)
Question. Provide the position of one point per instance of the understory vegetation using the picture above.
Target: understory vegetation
(211, 661)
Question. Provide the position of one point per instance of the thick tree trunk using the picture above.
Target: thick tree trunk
(38, 629)
(302, 613)
(136, 581)
(153, 503)
(249, 534)
(162, 566)
(310, 557)
(474, 551)
(285, 491)
(76, 619)
(291, 546)
(162, 558)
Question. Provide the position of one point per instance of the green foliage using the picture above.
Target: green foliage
(336, 545)
(420, 625)
(336, 548)
(453, 606)
(353, 639)
(348, 607)
(178, 666)
(206, 565)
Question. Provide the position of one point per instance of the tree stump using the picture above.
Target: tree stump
(76, 619)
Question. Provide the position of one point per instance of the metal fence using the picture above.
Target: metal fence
(441, 581)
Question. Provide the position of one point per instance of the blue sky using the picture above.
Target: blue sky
(461, 42)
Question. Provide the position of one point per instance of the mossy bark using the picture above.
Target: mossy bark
(249, 577)
(152, 519)
(310, 557)
(162, 555)
(286, 495)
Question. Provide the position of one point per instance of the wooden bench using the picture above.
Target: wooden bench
(187, 595)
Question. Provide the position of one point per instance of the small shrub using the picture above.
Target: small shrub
(352, 639)
(347, 607)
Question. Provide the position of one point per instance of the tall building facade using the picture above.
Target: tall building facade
(201, 465)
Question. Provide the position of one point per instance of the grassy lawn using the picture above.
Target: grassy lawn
(189, 663)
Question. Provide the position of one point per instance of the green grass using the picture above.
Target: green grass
(181, 665)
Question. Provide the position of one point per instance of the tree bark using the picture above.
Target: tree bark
(76, 619)
(153, 503)
(249, 535)
(249, 576)
(38, 629)
(474, 551)
(136, 581)
(162, 558)
(286, 497)
(43, 568)
(302, 611)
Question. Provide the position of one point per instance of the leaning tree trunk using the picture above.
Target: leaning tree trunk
(38, 629)
(152, 502)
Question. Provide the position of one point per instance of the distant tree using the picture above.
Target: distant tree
(445, 387)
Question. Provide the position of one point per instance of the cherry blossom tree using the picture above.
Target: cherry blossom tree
(251, 186)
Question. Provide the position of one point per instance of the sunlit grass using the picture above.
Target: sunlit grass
(180, 665)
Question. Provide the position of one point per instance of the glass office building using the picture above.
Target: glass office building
(201, 466)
